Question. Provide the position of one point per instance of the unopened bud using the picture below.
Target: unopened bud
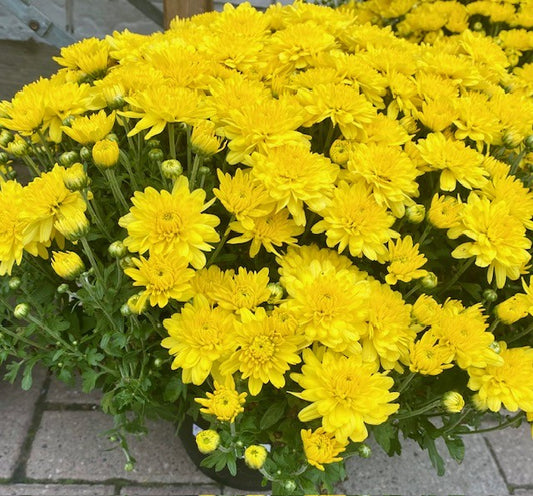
(128, 467)
(478, 26)
(68, 158)
(289, 486)
(430, 281)
(204, 170)
(207, 441)
(490, 295)
(171, 168)
(529, 142)
(21, 310)
(18, 147)
(125, 310)
(364, 451)
(112, 137)
(276, 292)
(153, 143)
(4, 157)
(156, 155)
(105, 153)
(14, 283)
(511, 139)
(453, 402)
(85, 154)
(6, 137)
(255, 456)
(339, 152)
(495, 346)
(126, 262)
(62, 288)
(415, 213)
(117, 249)
(75, 178)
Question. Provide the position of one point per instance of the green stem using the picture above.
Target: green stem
(171, 140)
(189, 148)
(126, 163)
(88, 287)
(521, 335)
(424, 235)
(46, 148)
(508, 423)
(92, 260)
(95, 216)
(517, 160)
(329, 138)
(412, 290)
(221, 243)
(115, 188)
(423, 409)
(195, 166)
(25, 340)
(462, 269)
(406, 381)
(32, 165)
(461, 418)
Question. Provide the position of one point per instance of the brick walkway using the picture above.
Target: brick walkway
(51, 441)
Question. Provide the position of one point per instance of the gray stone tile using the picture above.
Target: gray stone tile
(412, 473)
(514, 450)
(523, 491)
(173, 490)
(70, 445)
(16, 412)
(56, 490)
(59, 392)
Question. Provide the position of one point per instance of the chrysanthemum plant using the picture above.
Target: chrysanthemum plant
(299, 228)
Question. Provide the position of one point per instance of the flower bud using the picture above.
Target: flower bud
(4, 157)
(125, 310)
(495, 346)
(529, 142)
(136, 305)
(68, 158)
(490, 295)
(255, 456)
(67, 264)
(115, 103)
(511, 139)
(128, 467)
(339, 152)
(14, 283)
(6, 137)
(18, 147)
(276, 292)
(153, 143)
(364, 451)
(21, 310)
(513, 309)
(289, 486)
(117, 249)
(67, 121)
(73, 228)
(430, 281)
(415, 213)
(62, 288)
(171, 168)
(207, 441)
(85, 154)
(112, 137)
(204, 142)
(478, 26)
(453, 402)
(204, 170)
(156, 155)
(75, 177)
(105, 153)
(126, 262)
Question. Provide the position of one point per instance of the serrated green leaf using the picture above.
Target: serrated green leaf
(456, 447)
(272, 415)
(27, 380)
(434, 456)
(232, 465)
(89, 378)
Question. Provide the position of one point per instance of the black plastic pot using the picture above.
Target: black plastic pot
(246, 478)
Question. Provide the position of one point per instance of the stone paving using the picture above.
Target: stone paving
(52, 441)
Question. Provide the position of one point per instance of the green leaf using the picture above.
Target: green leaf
(386, 436)
(89, 377)
(272, 415)
(436, 459)
(174, 389)
(456, 447)
(26, 376)
(232, 465)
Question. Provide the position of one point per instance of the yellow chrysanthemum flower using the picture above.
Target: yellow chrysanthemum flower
(499, 239)
(165, 276)
(225, 403)
(453, 402)
(67, 264)
(321, 447)
(427, 357)
(272, 230)
(514, 308)
(345, 392)
(255, 456)
(404, 261)
(388, 171)
(91, 128)
(354, 220)
(199, 336)
(164, 222)
(207, 441)
(445, 213)
(263, 354)
(105, 153)
(90, 56)
(203, 139)
(330, 306)
(293, 175)
(457, 162)
(508, 385)
(206, 281)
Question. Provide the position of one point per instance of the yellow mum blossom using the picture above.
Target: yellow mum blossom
(90, 56)
(67, 264)
(244, 290)
(445, 213)
(476, 120)
(457, 162)
(199, 336)
(426, 310)
(355, 220)
(293, 175)
(499, 239)
(255, 456)
(404, 261)
(330, 306)
(207, 441)
(321, 447)
(508, 385)
(244, 196)
(427, 357)
(91, 128)
(11, 226)
(263, 354)
(163, 222)
(388, 333)
(453, 402)
(105, 153)
(345, 392)
(388, 171)
(48, 201)
(225, 403)
(340, 103)
(203, 139)
(206, 280)
(272, 230)
(514, 308)
(165, 277)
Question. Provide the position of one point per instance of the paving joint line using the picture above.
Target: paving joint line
(19, 473)
(510, 488)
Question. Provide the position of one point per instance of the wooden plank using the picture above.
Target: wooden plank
(184, 8)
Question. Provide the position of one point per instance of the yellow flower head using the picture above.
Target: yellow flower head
(165, 276)
(73, 228)
(345, 392)
(207, 441)
(263, 354)
(514, 308)
(269, 231)
(445, 213)
(163, 222)
(91, 128)
(206, 281)
(293, 175)
(404, 261)
(90, 56)
(75, 177)
(321, 447)
(354, 220)
(105, 153)
(427, 357)
(67, 264)
(199, 336)
(255, 456)
(203, 139)
(244, 290)
(509, 385)
(225, 403)
(453, 402)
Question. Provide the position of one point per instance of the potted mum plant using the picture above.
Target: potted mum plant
(287, 231)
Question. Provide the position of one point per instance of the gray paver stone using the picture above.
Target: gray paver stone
(523, 491)
(16, 412)
(70, 444)
(59, 392)
(412, 473)
(514, 450)
(56, 490)
(173, 490)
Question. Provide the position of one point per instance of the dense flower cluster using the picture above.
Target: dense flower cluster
(313, 212)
